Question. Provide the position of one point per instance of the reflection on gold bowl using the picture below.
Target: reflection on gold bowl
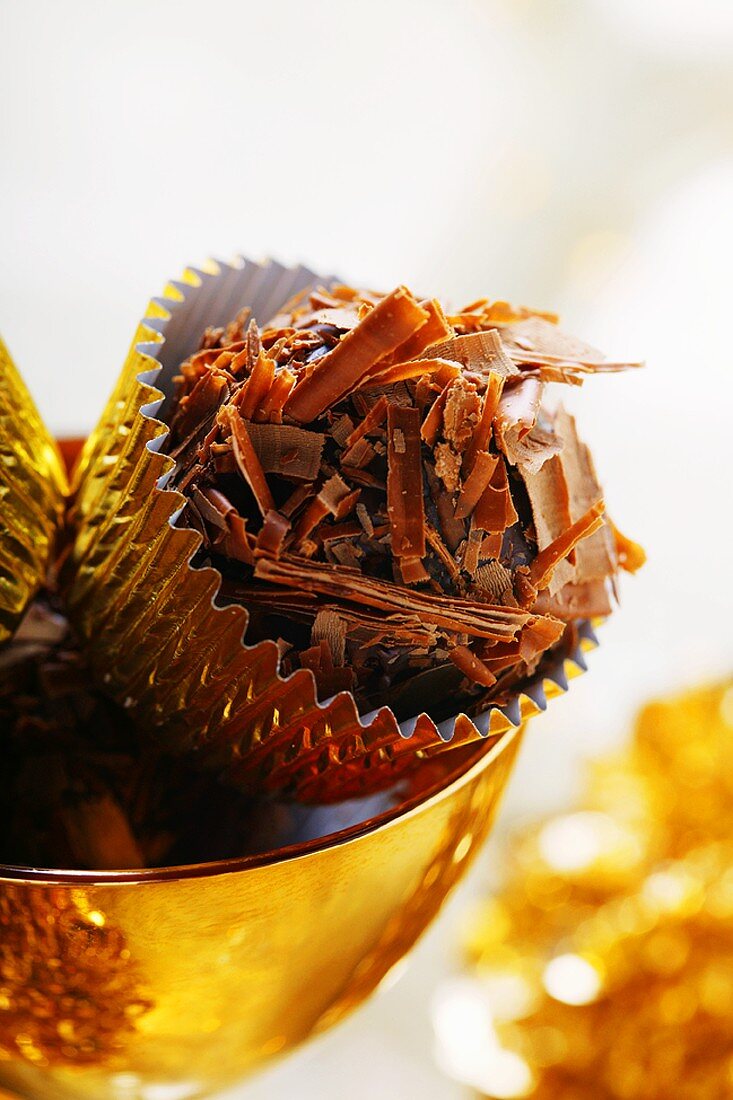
(178, 982)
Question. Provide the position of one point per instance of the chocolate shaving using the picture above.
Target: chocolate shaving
(543, 566)
(550, 502)
(247, 460)
(533, 449)
(471, 666)
(537, 342)
(392, 321)
(435, 329)
(404, 483)
(495, 510)
(595, 557)
(481, 352)
(630, 555)
(331, 627)
(423, 368)
(473, 550)
(476, 483)
(284, 449)
(483, 430)
(271, 539)
(254, 390)
(461, 413)
(517, 415)
(451, 613)
(496, 580)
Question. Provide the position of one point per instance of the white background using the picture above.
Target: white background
(574, 155)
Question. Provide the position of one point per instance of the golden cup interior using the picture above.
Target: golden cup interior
(180, 982)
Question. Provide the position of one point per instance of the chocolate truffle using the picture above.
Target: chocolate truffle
(379, 484)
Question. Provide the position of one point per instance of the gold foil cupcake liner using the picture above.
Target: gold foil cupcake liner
(32, 490)
(156, 636)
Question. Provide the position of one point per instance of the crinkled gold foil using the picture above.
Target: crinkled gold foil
(32, 489)
(157, 638)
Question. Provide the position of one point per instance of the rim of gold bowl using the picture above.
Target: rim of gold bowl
(471, 763)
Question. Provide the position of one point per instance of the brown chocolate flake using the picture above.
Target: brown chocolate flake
(359, 455)
(329, 678)
(271, 538)
(472, 551)
(531, 451)
(341, 429)
(209, 508)
(337, 497)
(497, 582)
(345, 553)
(422, 368)
(517, 414)
(480, 352)
(389, 324)
(247, 460)
(476, 483)
(404, 483)
(197, 408)
(495, 510)
(537, 342)
(256, 388)
(412, 571)
(284, 449)
(271, 408)
(237, 543)
(524, 590)
(595, 557)
(317, 510)
(544, 565)
(435, 329)
(365, 520)
(450, 612)
(443, 553)
(483, 430)
(297, 499)
(330, 532)
(448, 466)
(374, 418)
(331, 627)
(590, 600)
(471, 666)
(461, 413)
(538, 636)
(491, 544)
(631, 556)
(433, 422)
(453, 531)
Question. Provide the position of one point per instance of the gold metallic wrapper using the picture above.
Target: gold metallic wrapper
(157, 638)
(32, 491)
(180, 982)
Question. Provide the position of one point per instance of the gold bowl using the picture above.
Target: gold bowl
(178, 982)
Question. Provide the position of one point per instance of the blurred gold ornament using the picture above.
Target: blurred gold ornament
(604, 970)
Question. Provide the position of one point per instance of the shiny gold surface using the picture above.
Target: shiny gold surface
(111, 985)
(604, 968)
(32, 488)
